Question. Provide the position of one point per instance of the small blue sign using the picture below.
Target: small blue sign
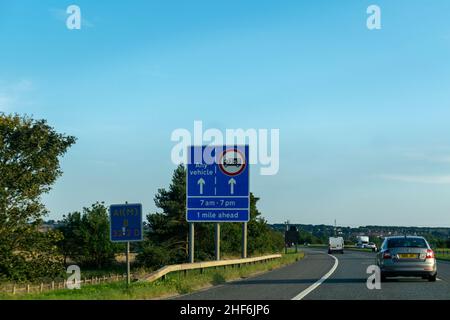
(126, 222)
(217, 182)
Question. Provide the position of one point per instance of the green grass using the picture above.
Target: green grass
(445, 257)
(174, 284)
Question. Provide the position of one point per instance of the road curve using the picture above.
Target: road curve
(281, 284)
(319, 277)
(349, 282)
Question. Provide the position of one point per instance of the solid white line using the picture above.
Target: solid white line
(304, 293)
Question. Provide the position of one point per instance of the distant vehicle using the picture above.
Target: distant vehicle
(362, 241)
(336, 244)
(408, 256)
(371, 246)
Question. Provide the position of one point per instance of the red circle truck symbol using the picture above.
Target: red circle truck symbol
(232, 162)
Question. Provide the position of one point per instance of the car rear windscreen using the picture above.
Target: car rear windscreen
(407, 243)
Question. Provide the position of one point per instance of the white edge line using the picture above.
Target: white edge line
(307, 291)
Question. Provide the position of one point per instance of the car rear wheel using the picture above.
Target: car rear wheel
(432, 278)
(383, 277)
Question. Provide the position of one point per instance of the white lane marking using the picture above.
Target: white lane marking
(304, 293)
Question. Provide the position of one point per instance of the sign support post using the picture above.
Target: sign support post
(244, 240)
(217, 241)
(126, 227)
(128, 264)
(191, 242)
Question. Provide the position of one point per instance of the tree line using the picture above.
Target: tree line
(30, 153)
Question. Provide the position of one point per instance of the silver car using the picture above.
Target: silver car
(408, 256)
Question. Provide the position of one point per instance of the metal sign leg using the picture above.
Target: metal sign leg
(128, 264)
(217, 241)
(244, 240)
(191, 242)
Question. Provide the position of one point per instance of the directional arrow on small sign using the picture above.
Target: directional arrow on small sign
(232, 182)
(201, 182)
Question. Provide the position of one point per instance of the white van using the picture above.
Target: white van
(336, 244)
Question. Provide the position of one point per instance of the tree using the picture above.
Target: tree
(169, 229)
(29, 165)
(261, 238)
(86, 237)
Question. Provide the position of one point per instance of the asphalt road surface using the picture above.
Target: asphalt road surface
(320, 276)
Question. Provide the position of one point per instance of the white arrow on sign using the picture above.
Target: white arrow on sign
(201, 183)
(232, 182)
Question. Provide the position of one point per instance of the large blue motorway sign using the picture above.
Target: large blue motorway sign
(218, 184)
(126, 222)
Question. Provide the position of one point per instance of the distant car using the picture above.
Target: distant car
(371, 246)
(408, 256)
(336, 244)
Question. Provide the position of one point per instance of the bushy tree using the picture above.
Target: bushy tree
(29, 165)
(86, 237)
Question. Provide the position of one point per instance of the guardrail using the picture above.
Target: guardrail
(161, 273)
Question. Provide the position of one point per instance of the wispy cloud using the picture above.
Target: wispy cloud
(437, 158)
(426, 179)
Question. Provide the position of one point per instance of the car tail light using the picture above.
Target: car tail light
(387, 255)
(430, 254)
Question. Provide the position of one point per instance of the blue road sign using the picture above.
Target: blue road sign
(126, 222)
(217, 184)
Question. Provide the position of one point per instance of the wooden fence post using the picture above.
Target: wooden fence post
(28, 288)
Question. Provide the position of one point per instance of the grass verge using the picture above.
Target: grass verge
(174, 284)
(445, 257)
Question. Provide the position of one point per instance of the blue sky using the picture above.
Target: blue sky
(363, 115)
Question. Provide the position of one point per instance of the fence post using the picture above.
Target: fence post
(28, 288)
(53, 285)
(41, 288)
(14, 289)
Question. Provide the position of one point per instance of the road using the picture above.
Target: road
(320, 276)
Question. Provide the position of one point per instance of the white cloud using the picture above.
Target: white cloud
(437, 179)
(441, 158)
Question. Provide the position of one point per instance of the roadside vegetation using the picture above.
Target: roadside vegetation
(442, 254)
(174, 284)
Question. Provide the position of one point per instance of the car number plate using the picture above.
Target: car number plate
(408, 256)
